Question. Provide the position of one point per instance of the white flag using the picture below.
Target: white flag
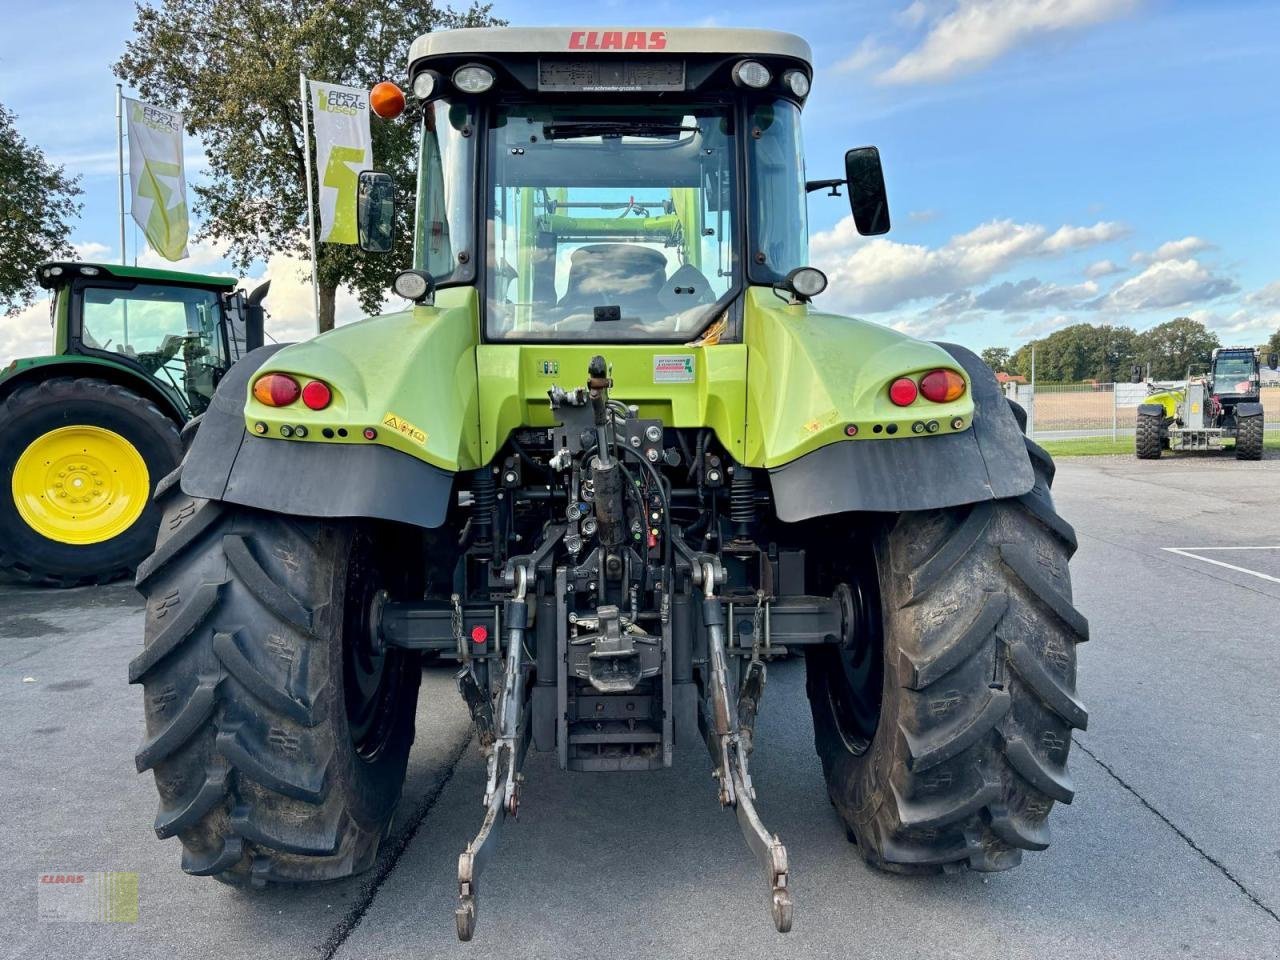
(157, 178)
(343, 149)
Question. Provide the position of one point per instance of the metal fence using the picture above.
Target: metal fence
(1065, 411)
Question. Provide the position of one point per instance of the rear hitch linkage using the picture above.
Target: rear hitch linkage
(505, 753)
(730, 745)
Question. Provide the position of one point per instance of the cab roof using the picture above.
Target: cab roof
(69, 270)
(606, 40)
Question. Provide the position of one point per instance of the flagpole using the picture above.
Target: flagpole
(120, 163)
(311, 223)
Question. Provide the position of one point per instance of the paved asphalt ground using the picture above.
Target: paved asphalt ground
(1172, 848)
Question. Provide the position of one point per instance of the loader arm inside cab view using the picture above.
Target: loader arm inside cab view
(611, 462)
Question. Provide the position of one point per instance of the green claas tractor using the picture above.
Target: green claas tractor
(1220, 403)
(611, 461)
(87, 433)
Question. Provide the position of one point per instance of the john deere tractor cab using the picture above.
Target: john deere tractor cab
(612, 461)
(87, 432)
(1220, 402)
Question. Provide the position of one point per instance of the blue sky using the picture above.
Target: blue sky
(1048, 161)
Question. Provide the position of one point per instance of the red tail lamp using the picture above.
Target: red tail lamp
(903, 392)
(317, 395)
(942, 386)
(276, 389)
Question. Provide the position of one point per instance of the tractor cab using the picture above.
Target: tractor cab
(616, 186)
(180, 331)
(1234, 375)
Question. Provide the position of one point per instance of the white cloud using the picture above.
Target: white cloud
(26, 333)
(1039, 328)
(877, 274)
(1168, 283)
(923, 216)
(1031, 294)
(1102, 268)
(1173, 250)
(976, 32)
(1268, 296)
(869, 53)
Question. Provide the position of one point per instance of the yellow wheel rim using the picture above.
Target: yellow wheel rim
(80, 485)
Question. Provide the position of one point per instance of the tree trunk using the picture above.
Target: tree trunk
(328, 297)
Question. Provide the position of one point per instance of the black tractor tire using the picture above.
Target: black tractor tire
(30, 412)
(1249, 432)
(277, 735)
(1148, 437)
(975, 642)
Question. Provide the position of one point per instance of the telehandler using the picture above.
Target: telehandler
(611, 460)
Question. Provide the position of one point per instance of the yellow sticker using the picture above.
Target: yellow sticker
(818, 423)
(401, 425)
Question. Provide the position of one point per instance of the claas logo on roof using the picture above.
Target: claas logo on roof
(618, 40)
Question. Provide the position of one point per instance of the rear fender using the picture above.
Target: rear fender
(32, 370)
(228, 463)
(1248, 410)
(989, 461)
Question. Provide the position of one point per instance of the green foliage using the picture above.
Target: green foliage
(36, 206)
(1106, 353)
(1173, 346)
(231, 67)
(1273, 345)
(997, 358)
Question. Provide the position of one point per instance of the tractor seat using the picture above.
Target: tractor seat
(614, 274)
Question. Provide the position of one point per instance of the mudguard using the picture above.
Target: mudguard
(1151, 410)
(228, 463)
(1248, 410)
(989, 461)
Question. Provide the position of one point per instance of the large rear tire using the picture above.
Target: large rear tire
(277, 735)
(80, 460)
(1249, 433)
(944, 731)
(1148, 438)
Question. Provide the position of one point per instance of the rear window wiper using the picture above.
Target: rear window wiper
(613, 128)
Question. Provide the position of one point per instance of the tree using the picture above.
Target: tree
(1079, 352)
(231, 67)
(1273, 345)
(997, 358)
(1173, 346)
(36, 206)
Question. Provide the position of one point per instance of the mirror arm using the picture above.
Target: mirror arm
(833, 185)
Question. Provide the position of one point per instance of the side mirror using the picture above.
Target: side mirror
(1273, 360)
(375, 211)
(255, 317)
(1135, 374)
(867, 197)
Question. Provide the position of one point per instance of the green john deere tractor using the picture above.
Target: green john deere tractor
(611, 461)
(1223, 402)
(88, 432)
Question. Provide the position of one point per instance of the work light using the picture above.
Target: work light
(753, 74)
(473, 78)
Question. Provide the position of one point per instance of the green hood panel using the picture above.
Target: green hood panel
(411, 376)
(422, 380)
(812, 375)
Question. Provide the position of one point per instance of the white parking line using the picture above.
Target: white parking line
(1187, 552)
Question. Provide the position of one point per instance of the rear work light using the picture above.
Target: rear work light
(317, 395)
(903, 391)
(276, 389)
(942, 386)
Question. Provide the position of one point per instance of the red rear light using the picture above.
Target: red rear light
(276, 390)
(316, 395)
(942, 386)
(903, 391)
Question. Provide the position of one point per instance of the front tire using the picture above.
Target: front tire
(1148, 438)
(278, 737)
(80, 460)
(973, 688)
(1249, 432)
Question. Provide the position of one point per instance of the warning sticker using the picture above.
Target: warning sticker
(401, 425)
(676, 368)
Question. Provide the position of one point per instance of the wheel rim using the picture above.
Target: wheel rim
(80, 485)
(372, 678)
(855, 678)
